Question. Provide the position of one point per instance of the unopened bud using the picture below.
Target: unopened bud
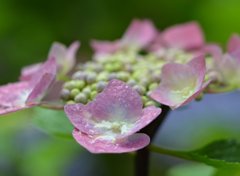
(74, 92)
(81, 98)
(65, 94)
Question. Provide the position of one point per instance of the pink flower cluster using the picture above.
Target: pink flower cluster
(110, 123)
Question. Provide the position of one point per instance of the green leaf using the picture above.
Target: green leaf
(53, 122)
(228, 172)
(223, 153)
(191, 169)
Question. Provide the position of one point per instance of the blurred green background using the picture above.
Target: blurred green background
(27, 30)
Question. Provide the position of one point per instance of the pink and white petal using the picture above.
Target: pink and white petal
(53, 93)
(185, 76)
(48, 67)
(199, 68)
(81, 118)
(105, 47)
(233, 44)
(28, 71)
(58, 51)
(191, 98)
(13, 97)
(214, 50)
(148, 115)
(229, 67)
(128, 144)
(118, 101)
(40, 89)
(175, 88)
(71, 55)
(185, 36)
(140, 33)
(65, 57)
(166, 97)
(157, 43)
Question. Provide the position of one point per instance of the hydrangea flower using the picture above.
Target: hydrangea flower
(65, 58)
(186, 36)
(179, 43)
(25, 94)
(139, 34)
(227, 66)
(109, 123)
(181, 83)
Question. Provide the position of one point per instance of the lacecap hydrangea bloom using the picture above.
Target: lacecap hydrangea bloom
(112, 97)
(37, 81)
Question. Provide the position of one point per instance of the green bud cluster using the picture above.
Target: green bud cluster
(141, 72)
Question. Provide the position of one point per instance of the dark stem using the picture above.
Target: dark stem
(142, 156)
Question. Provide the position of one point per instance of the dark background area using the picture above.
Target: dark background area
(27, 28)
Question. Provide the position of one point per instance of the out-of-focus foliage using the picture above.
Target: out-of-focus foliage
(191, 169)
(27, 28)
(54, 122)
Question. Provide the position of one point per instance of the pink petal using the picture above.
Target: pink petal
(214, 50)
(184, 36)
(140, 33)
(13, 97)
(105, 47)
(199, 67)
(148, 115)
(40, 89)
(48, 67)
(180, 83)
(42, 80)
(81, 118)
(54, 92)
(25, 94)
(233, 44)
(28, 71)
(65, 57)
(157, 43)
(229, 67)
(129, 144)
(118, 101)
(195, 95)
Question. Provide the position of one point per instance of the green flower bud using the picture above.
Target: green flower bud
(128, 68)
(80, 84)
(87, 91)
(103, 76)
(70, 102)
(131, 82)
(81, 98)
(144, 99)
(108, 67)
(69, 85)
(150, 103)
(93, 94)
(145, 82)
(112, 76)
(152, 86)
(100, 86)
(74, 92)
(80, 75)
(65, 94)
(93, 86)
(124, 76)
(140, 89)
(91, 77)
(117, 66)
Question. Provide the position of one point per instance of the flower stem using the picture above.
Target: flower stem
(178, 154)
(142, 156)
